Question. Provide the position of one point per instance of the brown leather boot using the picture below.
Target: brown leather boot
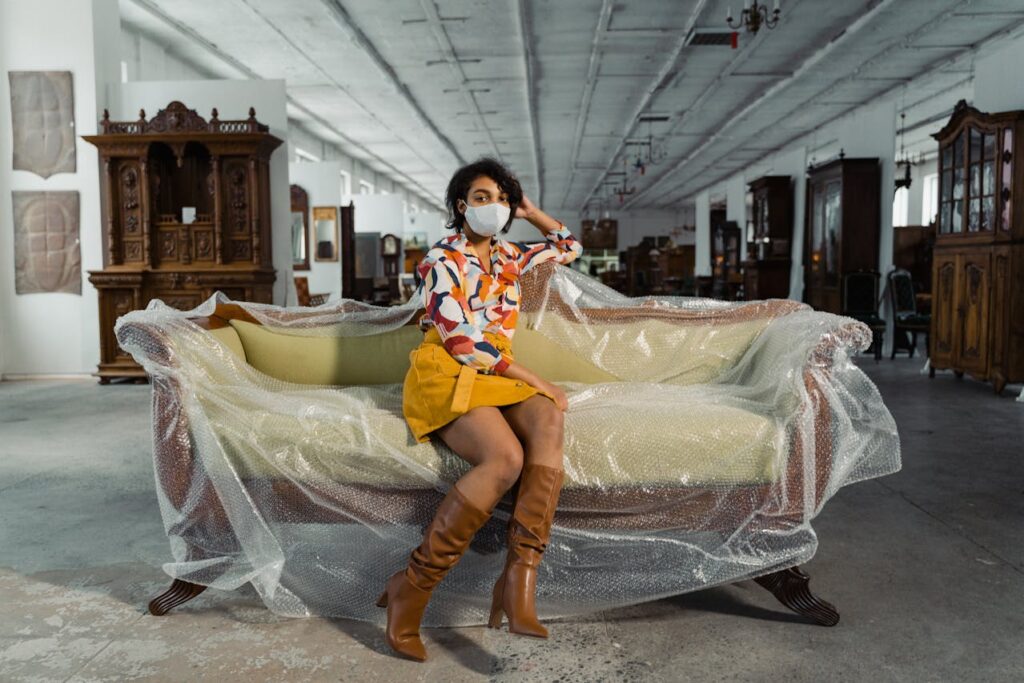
(407, 591)
(529, 532)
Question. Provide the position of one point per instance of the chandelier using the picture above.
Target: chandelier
(754, 17)
(904, 159)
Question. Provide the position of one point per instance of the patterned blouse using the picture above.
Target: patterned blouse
(462, 300)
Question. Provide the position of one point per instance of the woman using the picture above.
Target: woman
(465, 387)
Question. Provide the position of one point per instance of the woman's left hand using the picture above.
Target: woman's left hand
(526, 208)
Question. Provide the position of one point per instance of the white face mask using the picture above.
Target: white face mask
(487, 219)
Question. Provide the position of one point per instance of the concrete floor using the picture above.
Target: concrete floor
(926, 567)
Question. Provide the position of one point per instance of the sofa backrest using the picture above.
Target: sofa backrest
(655, 350)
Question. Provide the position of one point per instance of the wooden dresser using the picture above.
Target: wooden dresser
(843, 224)
(766, 270)
(186, 211)
(978, 266)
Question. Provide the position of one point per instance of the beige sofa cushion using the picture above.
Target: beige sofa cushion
(371, 359)
(229, 338)
(688, 442)
(654, 351)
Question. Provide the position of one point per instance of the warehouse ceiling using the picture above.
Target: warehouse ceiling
(561, 91)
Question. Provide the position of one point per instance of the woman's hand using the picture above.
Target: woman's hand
(536, 216)
(526, 208)
(559, 394)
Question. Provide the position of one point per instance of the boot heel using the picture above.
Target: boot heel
(382, 601)
(495, 620)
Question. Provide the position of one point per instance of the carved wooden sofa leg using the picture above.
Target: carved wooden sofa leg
(789, 586)
(179, 593)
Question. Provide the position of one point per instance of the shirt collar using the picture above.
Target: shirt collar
(459, 241)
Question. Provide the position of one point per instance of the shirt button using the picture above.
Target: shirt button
(519, 384)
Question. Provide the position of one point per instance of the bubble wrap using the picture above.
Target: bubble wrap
(701, 440)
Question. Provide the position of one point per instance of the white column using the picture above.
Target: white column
(870, 131)
(736, 202)
(702, 265)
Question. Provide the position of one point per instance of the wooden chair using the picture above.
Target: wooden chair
(303, 295)
(905, 316)
(860, 302)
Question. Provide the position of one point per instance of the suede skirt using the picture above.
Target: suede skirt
(438, 388)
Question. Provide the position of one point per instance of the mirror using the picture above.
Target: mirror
(300, 228)
(325, 231)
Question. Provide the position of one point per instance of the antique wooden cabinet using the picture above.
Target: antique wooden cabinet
(766, 269)
(978, 264)
(842, 227)
(186, 211)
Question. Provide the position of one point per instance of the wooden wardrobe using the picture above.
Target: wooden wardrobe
(186, 211)
(842, 227)
(766, 270)
(978, 266)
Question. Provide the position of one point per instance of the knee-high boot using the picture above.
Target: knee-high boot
(529, 533)
(407, 591)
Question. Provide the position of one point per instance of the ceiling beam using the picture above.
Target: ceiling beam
(530, 65)
(360, 41)
(190, 34)
(603, 17)
(356, 34)
(777, 87)
(448, 55)
(985, 44)
(664, 77)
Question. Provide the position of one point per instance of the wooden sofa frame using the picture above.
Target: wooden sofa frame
(578, 508)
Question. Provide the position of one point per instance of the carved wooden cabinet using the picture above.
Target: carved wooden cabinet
(766, 270)
(842, 227)
(186, 212)
(978, 264)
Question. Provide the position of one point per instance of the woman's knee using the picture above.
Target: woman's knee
(548, 426)
(506, 459)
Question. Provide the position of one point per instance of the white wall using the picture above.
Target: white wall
(322, 182)
(56, 333)
(148, 60)
(232, 98)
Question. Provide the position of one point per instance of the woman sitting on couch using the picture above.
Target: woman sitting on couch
(464, 385)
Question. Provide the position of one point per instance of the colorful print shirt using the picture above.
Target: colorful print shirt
(463, 301)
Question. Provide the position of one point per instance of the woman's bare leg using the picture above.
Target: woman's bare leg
(484, 439)
(540, 426)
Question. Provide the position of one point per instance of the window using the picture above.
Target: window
(899, 208)
(365, 187)
(124, 72)
(930, 199)
(303, 155)
(346, 183)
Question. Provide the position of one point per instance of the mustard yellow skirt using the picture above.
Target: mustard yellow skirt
(438, 388)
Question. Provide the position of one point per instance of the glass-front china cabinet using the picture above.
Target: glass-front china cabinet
(978, 265)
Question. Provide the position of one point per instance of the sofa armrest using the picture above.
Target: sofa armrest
(798, 367)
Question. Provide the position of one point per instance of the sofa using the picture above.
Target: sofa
(702, 438)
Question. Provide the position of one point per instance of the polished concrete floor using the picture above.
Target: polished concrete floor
(926, 567)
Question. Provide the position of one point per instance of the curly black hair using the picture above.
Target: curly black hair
(458, 188)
